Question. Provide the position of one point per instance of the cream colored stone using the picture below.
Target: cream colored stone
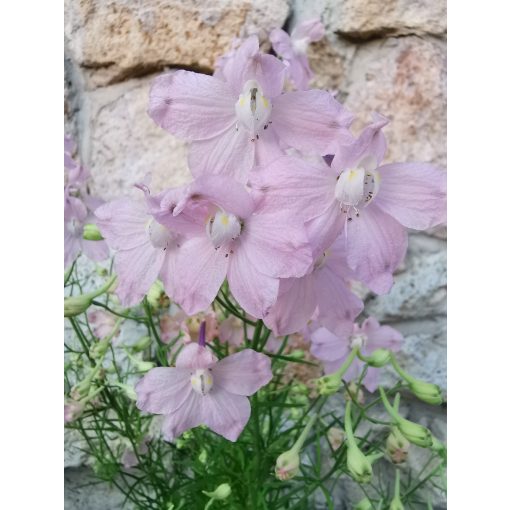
(120, 143)
(118, 39)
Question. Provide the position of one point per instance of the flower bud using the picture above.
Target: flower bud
(396, 503)
(142, 344)
(358, 464)
(438, 447)
(354, 392)
(397, 446)
(297, 354)
(72, 410)
(157, 297)
(287, 465)
(364, 504)
(91, 233)
(378, 358)
(417, 434)
(429, 393)
(75, 305)
(336, 437)
(221, 492)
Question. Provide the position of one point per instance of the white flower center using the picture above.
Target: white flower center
(321, 261)
(356, 188)
(223, 228)
(358, 340)
(300, 45)
(159, 235)
(202, 381)
(253, 109)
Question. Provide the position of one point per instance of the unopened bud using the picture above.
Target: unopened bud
(378, 358)
(364, 504)
(287, 465)
(221, 492)
(297, 354)
(417, 434)
(358, 464)
(91, 233)
(72, 410)
(438, 447)
(330, 384)
(397, 446)
(336, 437)
(142, 344)
(354, 392)
(157, 297)
(75, 305)
(429, 393)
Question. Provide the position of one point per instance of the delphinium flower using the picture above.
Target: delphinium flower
(292, 49)
(325, 290)
(200, 390)
(334, 347)
(145, 249)
(240, 117)
(237, 239)
(369, 205)
(78, 210)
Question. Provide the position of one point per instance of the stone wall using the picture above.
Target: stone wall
(387, 56)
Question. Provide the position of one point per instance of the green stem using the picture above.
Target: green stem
(389, 408)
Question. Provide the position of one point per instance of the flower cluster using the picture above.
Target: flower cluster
(286, 204)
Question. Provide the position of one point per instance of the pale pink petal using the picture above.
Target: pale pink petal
(329, 346)
(194, 356)
(413, 193)
(375, 245)
(188, 416)
(325, 228)
(381, 337)
(163, 390)
(276, 244)
(267, 148)
(191, 105)
(122, 223)
(296, 302)
(199, 273)
(95, 250)
(137, 269)
(309, 120)
(300, 72)
(312, 29)
(235, 68)
(229, 153)
(371, 143)
(282, 44)
(243, 373)
(253, 290)
(225, 413)
(169, 269)
(72, 247)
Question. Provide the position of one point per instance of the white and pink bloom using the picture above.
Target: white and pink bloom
(200, 390)
(102, 323)
(292, 49)
(368, 204)
(333, 347)
(236, 238)
(239, 117)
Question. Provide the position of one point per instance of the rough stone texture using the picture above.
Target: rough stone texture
(116, 39)
(121, 143)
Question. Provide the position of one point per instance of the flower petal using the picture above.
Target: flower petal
(191, 105)
(225, 413)
(163, 390)
(199, 273)
(375, 245)
(243, 373)
(329, 346)
(188, 416)
(194, 356)
(413, 193)
(229, 153)
(381, 337)
(309, 120)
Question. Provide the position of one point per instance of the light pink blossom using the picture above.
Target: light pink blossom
(333, 347)
(200, 390)
(102, 323)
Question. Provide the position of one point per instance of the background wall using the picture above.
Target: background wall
(388, 56)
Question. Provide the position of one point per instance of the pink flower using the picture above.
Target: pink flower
(374, 203)
(200, 390)
(292, 49)
(333, 347)
(236, 239)
(239, 117)
(73, 409)
(325, 287)
(145, 249)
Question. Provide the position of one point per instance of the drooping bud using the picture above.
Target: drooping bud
(330, 384)
(336, 437)
(397, 446)
(358, 464)
(287, 464)
(157, 297)
(378, 358)
(396, 503)
(221, 492)
(91, 233)
(429, 393)
(75, 305)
